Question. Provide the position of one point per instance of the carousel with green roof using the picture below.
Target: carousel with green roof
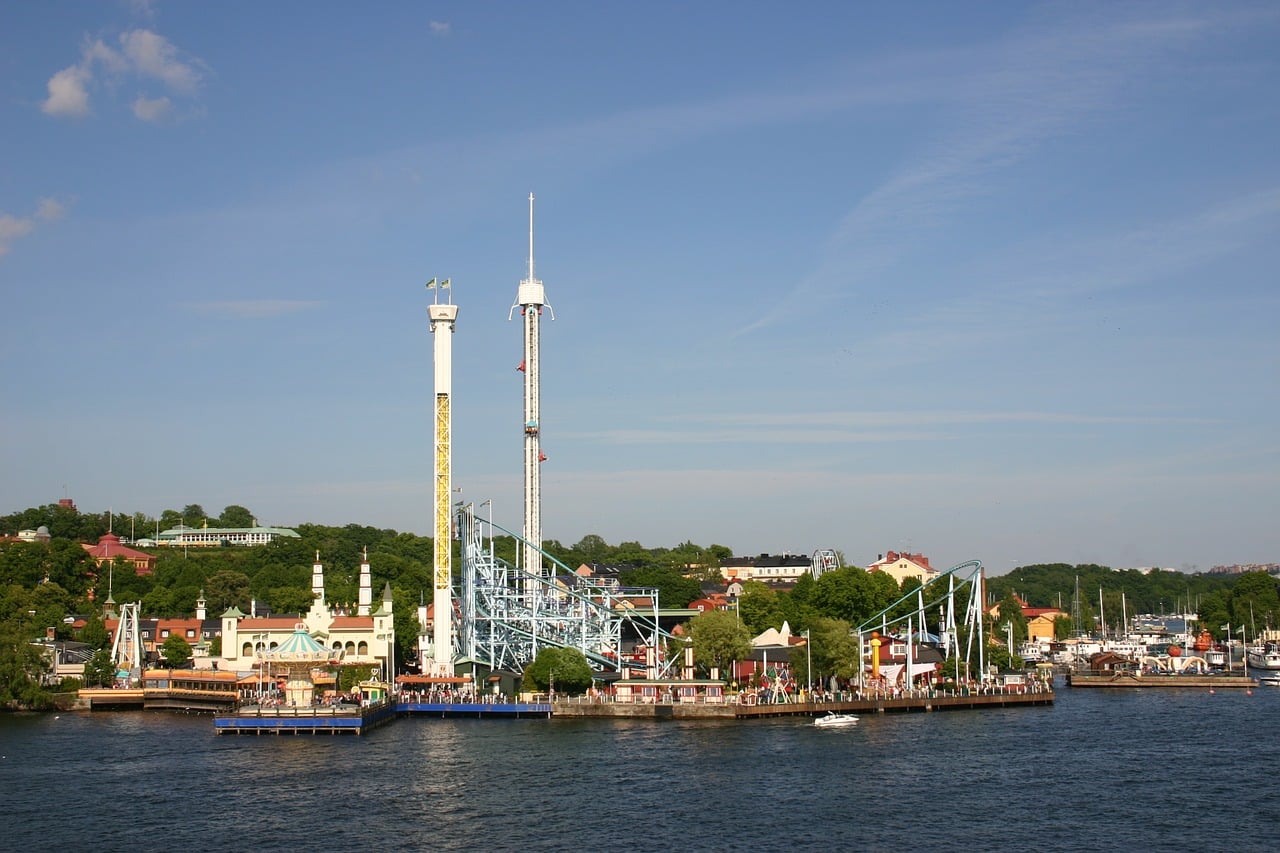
(295, 660)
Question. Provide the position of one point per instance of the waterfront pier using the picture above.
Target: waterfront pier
(1134, 679)
(308, 720)
(917, 702)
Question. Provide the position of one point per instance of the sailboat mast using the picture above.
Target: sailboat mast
(1102, 616)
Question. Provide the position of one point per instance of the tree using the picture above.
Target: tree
(100, 669)
(1254, 600)
(1010, 611)
(760, 607)
(592, 549)
(235, 516)
(853, 594)
(176, 651)
(565, 670)
(227, 588)
(94, 632)
(22, 671)
(674, 590)
(719, 639)
(833, 650)
(289, 599)
(194, 515)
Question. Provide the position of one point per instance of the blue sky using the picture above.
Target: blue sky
(990, 281)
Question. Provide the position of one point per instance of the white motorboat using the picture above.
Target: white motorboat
(834, 720)
(1264, 656)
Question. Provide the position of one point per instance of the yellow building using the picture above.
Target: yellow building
(902, 566)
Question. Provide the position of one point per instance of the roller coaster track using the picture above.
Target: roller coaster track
(507, 614)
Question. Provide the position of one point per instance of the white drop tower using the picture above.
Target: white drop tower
(442, 319)
(530, 299)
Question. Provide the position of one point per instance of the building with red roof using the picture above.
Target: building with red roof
(901, 566)
(109, 549)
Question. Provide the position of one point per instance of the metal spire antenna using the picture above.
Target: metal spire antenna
(530, 299)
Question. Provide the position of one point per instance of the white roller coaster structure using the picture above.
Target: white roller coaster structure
(507, 615)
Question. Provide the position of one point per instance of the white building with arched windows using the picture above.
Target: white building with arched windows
(368, 637)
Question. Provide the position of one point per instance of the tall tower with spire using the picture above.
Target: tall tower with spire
(317, 580)
(366, 586)
(530, 299)
(442, 318)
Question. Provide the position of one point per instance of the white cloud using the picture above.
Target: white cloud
(67, 93)
(153, 55)
(15, 227)
(150, 109)
(440, 28)
(143, 54)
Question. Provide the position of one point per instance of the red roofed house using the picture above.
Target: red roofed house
(902, 566)
(714, 601)
(109, 548)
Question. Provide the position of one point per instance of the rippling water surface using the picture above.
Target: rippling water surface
(1100, 770)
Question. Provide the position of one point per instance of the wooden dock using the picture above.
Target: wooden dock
(734, 711)
(1164, 681)
(474, 710)
(311, 720)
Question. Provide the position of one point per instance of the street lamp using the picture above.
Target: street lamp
(489, 504)
(390, 659)
(808, 661)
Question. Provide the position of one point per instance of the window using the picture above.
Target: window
(191, 632)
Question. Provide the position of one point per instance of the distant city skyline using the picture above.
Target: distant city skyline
(990, 282)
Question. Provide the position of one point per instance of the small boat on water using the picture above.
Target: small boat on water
(834, 720)
(1265, 656)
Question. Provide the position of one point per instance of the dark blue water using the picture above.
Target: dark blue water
(1100, 770)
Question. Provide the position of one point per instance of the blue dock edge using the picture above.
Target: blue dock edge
(358, 720)
(475, 710)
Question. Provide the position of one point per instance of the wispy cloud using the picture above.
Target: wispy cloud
(1002, 102)
(440, 28)
(151, 109)
(141, 55)
(808, 428)
(255, 309)
(1032, 288)
(13, 228)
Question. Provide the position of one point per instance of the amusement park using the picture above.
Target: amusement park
(491, 620)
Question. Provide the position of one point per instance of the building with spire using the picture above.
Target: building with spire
(365, 637)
